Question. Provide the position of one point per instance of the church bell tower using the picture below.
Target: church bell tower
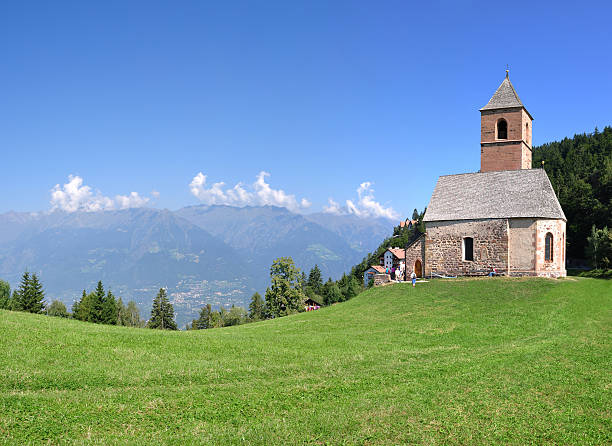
(505, 131)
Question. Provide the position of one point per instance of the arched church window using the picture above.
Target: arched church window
(548, 247)
(502, 129)
(468, 248)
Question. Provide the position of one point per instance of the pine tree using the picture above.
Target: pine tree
(37, 304)
(303, 282)
(314, 280)
(30, 294)
(257, 308)
(162, 313)
(109, 309)
(20, 295)
(415, 214)
(81, 308)
(97, 305)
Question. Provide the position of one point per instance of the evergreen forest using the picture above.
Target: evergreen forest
(580, 170)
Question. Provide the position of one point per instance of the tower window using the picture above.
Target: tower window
(468, 248)
(548, 247)
(502, 129)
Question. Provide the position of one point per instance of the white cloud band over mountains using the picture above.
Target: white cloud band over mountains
(257, 194)
(74, 196)
(365, 206)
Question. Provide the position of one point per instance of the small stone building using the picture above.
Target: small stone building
(371, 272)
(506, 216)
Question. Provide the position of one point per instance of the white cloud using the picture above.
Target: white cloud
(333, 208)
(74, 196)
(258, 194)
(366, 205)
(130, 201)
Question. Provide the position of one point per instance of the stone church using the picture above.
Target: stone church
(506, 216)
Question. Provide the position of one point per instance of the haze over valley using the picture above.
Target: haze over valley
(203, 254)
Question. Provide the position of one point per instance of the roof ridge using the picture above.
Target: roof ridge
(490, 171)
(513, 89)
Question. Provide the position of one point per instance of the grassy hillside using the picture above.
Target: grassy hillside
(468, 361)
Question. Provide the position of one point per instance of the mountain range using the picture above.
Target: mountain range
(203, 254)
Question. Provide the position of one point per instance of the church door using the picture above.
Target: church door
(418, 268)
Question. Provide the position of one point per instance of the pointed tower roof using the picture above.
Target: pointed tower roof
(504, 97)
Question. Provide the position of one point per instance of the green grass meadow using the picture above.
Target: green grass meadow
(503, 361)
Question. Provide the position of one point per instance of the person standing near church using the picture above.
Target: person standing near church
(413, 277)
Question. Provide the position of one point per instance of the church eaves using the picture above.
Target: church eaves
(525, 193)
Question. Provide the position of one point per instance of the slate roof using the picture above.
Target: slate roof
(498, 194)
(504, 97)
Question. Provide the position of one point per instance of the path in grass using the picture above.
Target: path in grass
(467, 361)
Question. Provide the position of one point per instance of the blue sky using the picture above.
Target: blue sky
(323, 96)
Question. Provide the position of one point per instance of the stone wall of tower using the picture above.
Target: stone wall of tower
(512, 153)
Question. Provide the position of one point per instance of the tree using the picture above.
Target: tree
(217, 318)
(580, 171)
(121, 313)
(57, 309)
(5, 295)
(349, 286)
(284, 296)
(599, 247)
(331, 293)
(109, 309)
(133, 315)
(29, 296)
(21, 292)
(193, 325)
(235, 316)
(205, 320)
(162, 313)
(82, 309)
(97, 304)
(36, 304)
(303, 281)
(415, 214)
(314, 279)
(257, 308)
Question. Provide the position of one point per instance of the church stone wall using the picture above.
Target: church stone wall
(522, 243)
(444, 246)
(555, 267)
(415, 252)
